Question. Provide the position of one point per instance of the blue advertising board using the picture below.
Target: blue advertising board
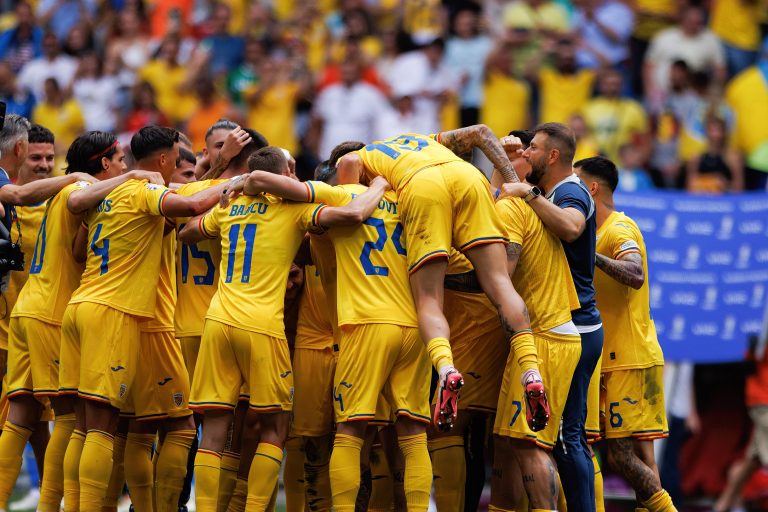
(708, 266)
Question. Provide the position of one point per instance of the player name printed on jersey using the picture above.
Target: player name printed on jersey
(708, 270)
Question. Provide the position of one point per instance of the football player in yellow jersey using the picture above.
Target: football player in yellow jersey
(258, 257)
(539, 270)
(632, 358)
(314, 365)
(118, 291)
(197, 275)
(447, 202)
(54, 275)
(380, 349)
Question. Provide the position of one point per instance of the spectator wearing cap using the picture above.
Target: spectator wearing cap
(24, 42)
(747, 95)
(689, 41)
(52, 64)
(465, 53)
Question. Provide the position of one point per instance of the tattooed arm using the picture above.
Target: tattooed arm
(628, 269)
(462, 141)
(513, 255)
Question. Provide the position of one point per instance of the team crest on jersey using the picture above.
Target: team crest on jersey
(178, 399)
(153, 186)
(123, 390)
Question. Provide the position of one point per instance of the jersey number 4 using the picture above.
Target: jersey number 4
(365, 257)
(102, 251)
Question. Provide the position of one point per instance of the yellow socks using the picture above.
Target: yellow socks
(230, 462)
(599, 497)
(52, 482)
(262, 478)
(293, 475)
(171, 469)
(450, 472)
(72, 471)
(524, 348)
(207, 469)
(439, 350)
(95, 469)
(138, 470)
(418, 471)
(317, 481)
(345, 471)
(493, 508)
(660, 502)
(237, 502)
(117, 478)
(12, 444)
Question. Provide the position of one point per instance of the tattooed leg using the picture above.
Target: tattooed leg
(624, 460)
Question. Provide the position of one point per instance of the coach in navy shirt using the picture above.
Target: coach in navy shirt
(566, 208)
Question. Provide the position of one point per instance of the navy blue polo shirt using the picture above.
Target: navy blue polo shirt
(572, 193)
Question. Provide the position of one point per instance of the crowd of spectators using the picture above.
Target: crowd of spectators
(676, 93)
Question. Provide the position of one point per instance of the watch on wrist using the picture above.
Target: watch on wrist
(532, 194)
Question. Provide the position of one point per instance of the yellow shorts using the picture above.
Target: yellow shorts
(313, 372)
(447, 205)
(594, 410)
(33, 367)
(190, 346)
(161, 386)
(69, 354)
(381, 359)
(479, 347)
(230, 357)
(634, 404)
(110, 339)
(3, 385)
(558, 356)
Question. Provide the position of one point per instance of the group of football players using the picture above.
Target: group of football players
(357, 325)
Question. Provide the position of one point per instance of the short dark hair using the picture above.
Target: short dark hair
(221, 124)
(324, 171)
(151, 139)
(601, 169)
(561, 137)
(269, 158)
(525, 136)
(40, 135)
(86, 151)
(187, 156)
(258, 141)
(344, 148)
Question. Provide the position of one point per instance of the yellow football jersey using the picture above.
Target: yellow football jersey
(399, 159)
(29, 218)
(125, 234)
(542, 277)
(53, 272)
(313, 330)
(165, 303)
(324, 257)
(197, 273)
(630, 334)
(372, 276)
(259, 239)
(458, 263)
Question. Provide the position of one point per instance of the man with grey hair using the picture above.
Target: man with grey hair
(14, 145)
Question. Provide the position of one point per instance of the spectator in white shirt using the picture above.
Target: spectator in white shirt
(689, 41)
(345, 111)
(604, 27)
(53, 64)
(96, 89)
